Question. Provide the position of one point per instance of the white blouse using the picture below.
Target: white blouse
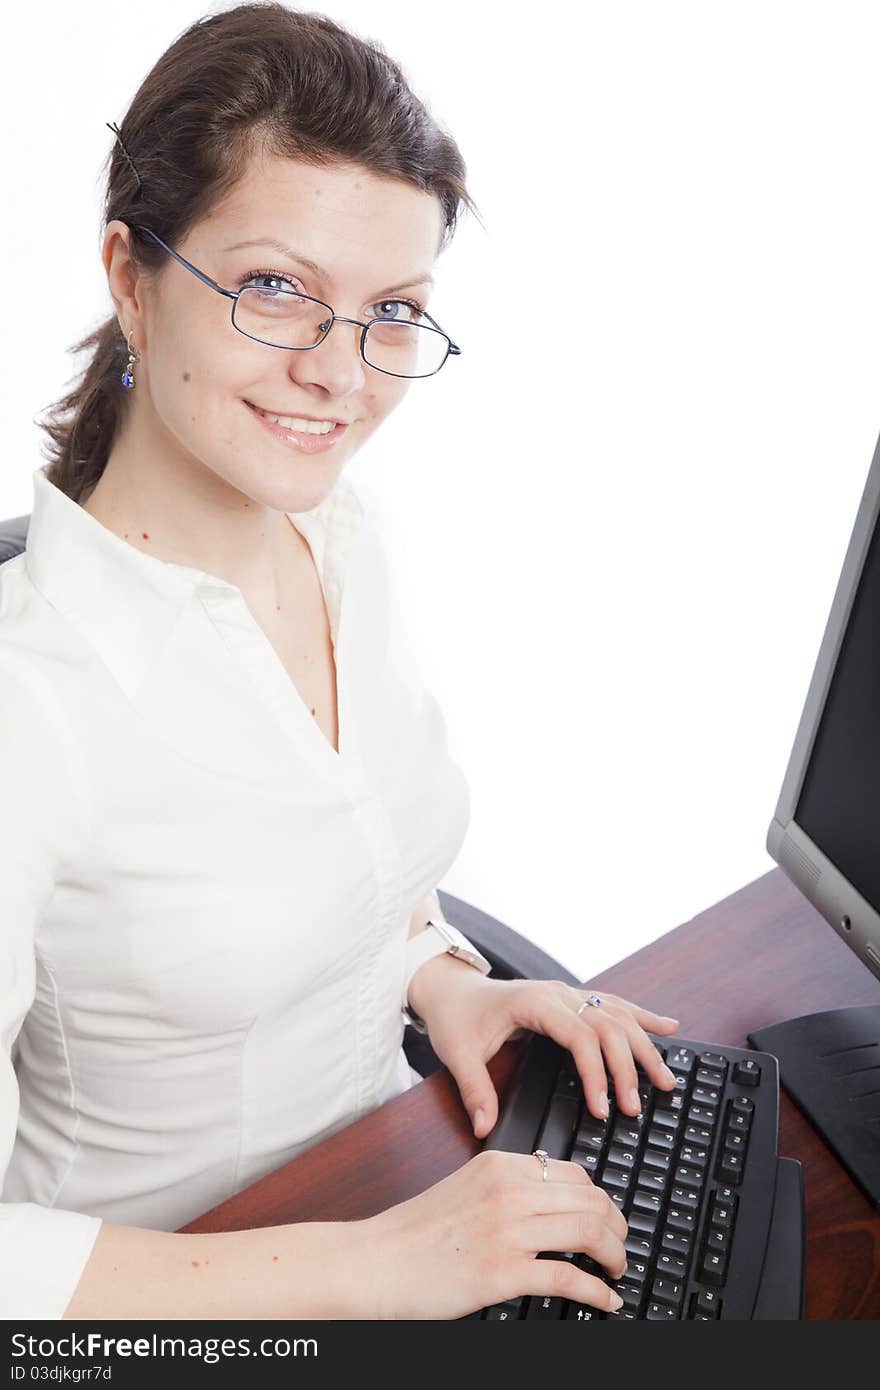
(203, 907)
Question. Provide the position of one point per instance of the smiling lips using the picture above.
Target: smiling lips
(311, 435)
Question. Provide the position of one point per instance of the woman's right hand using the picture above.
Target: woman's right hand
(472, 1240)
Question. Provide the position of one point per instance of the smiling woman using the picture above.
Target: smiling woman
(234, 797)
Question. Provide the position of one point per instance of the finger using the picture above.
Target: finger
(654, 1023)
(578, 1231)
(577, 1197)
(478, 1094)
(543, 1279)
(563, 1024)
(643, 1050)
(558, 1170)
(614, 1042)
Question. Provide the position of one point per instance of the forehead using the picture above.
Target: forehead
(352, 221)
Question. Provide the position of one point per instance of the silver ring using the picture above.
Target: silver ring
(590, 999)
(543, 1155)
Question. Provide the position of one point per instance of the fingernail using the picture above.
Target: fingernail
(479, 1117)
(603, 1105)
(635, 1099)
(615, 1300)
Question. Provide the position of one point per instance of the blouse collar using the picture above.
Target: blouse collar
(126, 602)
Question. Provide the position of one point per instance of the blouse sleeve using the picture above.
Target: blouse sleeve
(43, 1250)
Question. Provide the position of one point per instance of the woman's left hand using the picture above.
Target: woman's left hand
(469, 1017)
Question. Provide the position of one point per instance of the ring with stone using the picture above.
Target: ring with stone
(544, 1156)
(592, 999)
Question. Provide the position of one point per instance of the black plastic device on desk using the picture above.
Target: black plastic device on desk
(715, 1217)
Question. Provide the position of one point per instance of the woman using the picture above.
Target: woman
(217, 880)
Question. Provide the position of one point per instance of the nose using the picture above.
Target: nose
(335, 364)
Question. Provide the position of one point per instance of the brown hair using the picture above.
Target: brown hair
(256, 78)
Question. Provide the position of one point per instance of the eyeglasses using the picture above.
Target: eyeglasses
(298, 323)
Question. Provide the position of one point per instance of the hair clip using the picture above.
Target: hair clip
(117, 133)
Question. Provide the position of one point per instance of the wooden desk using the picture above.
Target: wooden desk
(759, 956)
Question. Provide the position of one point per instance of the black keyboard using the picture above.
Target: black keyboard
(695, 1177)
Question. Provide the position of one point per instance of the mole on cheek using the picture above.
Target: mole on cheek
(186, 376)
(145, 536)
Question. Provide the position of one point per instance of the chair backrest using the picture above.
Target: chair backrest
(13, 534)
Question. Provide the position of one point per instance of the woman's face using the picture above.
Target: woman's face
(198, 379)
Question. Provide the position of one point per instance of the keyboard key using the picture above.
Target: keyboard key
(742, 1105)
(590, 1135)
(686, 1197)
(694, 1154)
(569, 1084)
(669, 1100)
(621, 1158)
(747, 1073)
(718, 1239)
(680, 1059)
(637, 1271)
(660, 1312)
(630, 1293)
(643, 1223)
(676, 1242)
(588, 1160)
(734, 1143)
(502, 1312)
(702, 1115)
(730, 1167)
(667, 1291)
(615, 1180)
(714, 1059)
(713, 1269)
(543, 1306)
(627, 1132)
(698, 1134)
(649, 1180)
(709, 1076)
(656, 1161)
(706, 1304)
(661, 1138)
(739, 1123)
(638, 1245)
(670, 1120)
(686, 1175)
(646, 1201)
(706, 1095)
(681, 1219)
(582, 1312)
(672, 1265)
(721, 1213)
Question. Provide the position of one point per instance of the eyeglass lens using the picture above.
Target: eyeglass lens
(282, 319)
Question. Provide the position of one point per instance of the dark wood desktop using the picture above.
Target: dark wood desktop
(759, 956)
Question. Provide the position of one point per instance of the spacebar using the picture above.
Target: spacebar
(558, 1128)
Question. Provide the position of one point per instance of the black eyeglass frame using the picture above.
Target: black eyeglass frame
(452, 349)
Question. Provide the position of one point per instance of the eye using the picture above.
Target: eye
(282, 282)
(388, 309)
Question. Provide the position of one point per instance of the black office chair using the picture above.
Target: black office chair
(512, 957)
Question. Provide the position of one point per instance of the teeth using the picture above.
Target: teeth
(290, 422)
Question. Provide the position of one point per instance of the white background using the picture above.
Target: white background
(619, 517)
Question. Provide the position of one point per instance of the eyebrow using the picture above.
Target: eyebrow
(422, 279)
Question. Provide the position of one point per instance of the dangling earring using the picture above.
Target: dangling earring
(128, 374)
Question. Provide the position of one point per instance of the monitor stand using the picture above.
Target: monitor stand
(830, 1065)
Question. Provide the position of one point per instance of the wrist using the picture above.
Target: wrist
(434, 979)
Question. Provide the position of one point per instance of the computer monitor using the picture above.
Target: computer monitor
(825, 835)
